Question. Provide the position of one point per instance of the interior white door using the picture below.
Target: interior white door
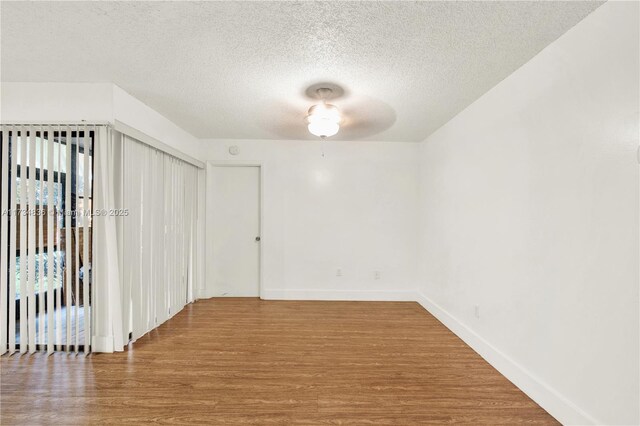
(233, 231)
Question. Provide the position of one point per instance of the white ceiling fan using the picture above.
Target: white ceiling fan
(326, 110)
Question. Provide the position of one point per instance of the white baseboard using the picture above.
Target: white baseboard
(548, 398)
(371, 296)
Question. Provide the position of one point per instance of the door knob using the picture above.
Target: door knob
(257, 238)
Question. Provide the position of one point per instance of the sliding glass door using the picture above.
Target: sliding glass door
(45, 226)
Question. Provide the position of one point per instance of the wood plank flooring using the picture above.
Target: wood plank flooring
(247, 361)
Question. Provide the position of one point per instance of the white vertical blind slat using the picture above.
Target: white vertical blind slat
(174, 237)
(179, 297)
(106, 317)
(58, 277)
(144, 245)
(22, 284)
(197, 236)
(76, 245)
(89, 172)
(31, 244)
(50, 241)
(175, 244)
(186, 239)
(193, 248)
(86, 217)
(40, 242)
(4, 240)
(12, 243)
(125, 295)
(67, 240)
(148, 236)
(132, 236)
(158, 230)
(152, 320)
(171, 247)
(129, 236)
(189, 243)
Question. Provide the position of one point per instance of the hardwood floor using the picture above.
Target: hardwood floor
(239, 361)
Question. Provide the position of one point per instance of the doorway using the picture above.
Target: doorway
(233, 230)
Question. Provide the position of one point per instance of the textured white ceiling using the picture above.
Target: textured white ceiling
(239, 69)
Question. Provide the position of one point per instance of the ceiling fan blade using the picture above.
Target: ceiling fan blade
(365, 117)
(285, 120)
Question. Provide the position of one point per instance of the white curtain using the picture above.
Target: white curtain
(150, 261)
(45, 237)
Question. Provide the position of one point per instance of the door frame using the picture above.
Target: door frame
(261, 174)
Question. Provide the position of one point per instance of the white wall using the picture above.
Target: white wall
(60, 102)
(136, 114)
(529, 209)
(353, 209)
(90, 102)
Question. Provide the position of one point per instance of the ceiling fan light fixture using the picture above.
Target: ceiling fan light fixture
(324, 120)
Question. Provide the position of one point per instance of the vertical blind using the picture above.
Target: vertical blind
(45, 236)
(158, 236)
(144, 219)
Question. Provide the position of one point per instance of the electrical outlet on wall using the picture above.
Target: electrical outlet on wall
(339, 272)
(376, 275)
(476, 311)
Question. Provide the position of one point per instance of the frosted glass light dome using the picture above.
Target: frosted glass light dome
(324, 120)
